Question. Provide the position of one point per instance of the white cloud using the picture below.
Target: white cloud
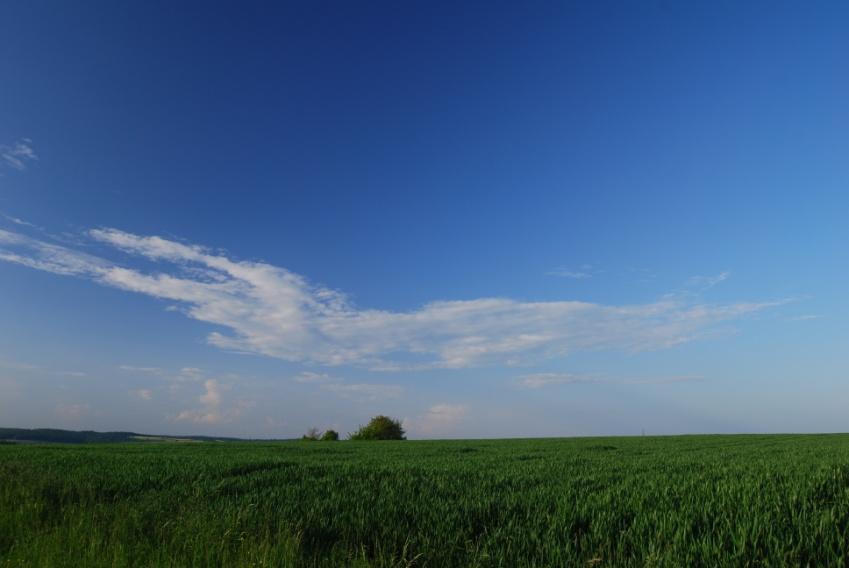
(74, 374)
(210, 400)
(212, 408)
(310, 377)
(439, 419)
(212, 396)
(17, 221)
(144, 394)
(41, 255)
(18, 154)
(271, 311)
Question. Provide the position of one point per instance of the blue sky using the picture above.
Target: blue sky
(535, 219)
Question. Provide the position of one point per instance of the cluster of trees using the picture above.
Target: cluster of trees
(379, 428)
(315, 435)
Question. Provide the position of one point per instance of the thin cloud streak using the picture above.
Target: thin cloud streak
(17, 155)
(585, 271)
(272, 311)
(363, 392)
(542, 380)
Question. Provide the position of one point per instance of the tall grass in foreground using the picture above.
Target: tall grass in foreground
(683, 501)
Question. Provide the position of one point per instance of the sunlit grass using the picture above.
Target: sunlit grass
(683, 501)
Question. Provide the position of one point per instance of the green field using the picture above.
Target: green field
(666, 501)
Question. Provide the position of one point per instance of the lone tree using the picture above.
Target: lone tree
(330, 436)
(380, 428)
(311, 435)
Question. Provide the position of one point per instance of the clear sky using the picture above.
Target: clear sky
(487, 219)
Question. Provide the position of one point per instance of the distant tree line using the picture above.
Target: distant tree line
(63, 436)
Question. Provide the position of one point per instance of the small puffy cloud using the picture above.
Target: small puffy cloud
(210, 411)
(212, 396)
(439, 419)
(212, 408)
(144, 394)
(17, 155)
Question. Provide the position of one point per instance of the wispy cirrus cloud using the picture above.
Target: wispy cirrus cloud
(269, 310)
(311, 377)
(73, 374)
(360, 392)
(805, 317)
(16, 365)
(42, 255)
(707, 282)
(18, 154)
(583, 272)
(20, 222)
(186, 374)
(146, 370)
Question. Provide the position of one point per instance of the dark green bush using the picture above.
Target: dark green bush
(330, 436)
(380, 428)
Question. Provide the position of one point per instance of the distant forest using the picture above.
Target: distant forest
(50, 435)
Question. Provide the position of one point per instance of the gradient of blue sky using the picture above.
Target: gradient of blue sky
(679, 168)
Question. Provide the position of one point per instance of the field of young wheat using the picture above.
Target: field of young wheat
(665, 501)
